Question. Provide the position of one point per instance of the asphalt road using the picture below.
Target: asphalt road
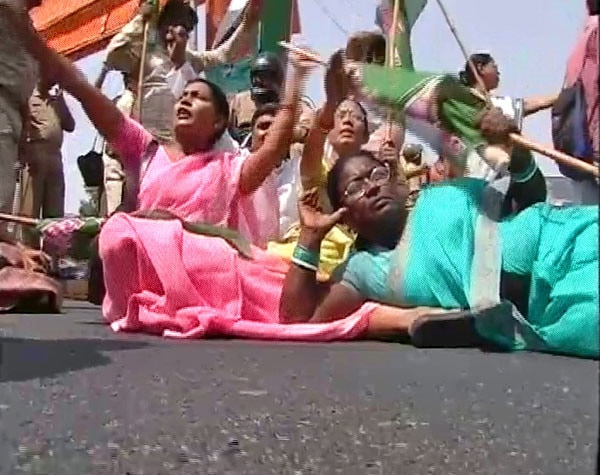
(76, 398)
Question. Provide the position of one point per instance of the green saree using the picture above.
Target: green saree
(454, 251)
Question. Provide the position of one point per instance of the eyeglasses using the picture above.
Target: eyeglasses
(341, 114)
(358, 188)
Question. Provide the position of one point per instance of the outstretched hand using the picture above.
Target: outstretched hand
(336, 81)
(253, 11)
(495, 126)
(177, 40)
(389, 155)
(303, 63)
(312, 216)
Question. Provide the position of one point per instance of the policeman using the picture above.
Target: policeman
(266, 81)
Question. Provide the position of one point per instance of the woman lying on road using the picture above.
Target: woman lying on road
(447, 257)
(452, 257)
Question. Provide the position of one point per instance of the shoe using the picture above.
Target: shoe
(446, 330)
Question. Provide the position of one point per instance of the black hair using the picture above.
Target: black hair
(333, 193)
(363, 111)
(219, 99)
(174, 8)
(467, 75)
(333, 177)
(270, 108)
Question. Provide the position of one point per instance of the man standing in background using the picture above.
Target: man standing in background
(114, 176)
(415, 171)
(267, 75)
(169, 64)
(18, 77)
(49, 119)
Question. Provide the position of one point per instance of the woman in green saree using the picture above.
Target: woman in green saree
(452, 252)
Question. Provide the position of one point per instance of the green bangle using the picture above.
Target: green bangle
(527, 174)
(306, 256)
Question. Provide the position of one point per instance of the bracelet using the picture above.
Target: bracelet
(304, 265)
(527, 174)
(286, 107)
(305, 258)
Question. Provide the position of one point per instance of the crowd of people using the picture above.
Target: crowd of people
(260, 215)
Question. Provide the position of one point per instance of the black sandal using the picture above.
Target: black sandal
(449, 330)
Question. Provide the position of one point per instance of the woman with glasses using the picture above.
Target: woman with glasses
(451, 253)
(344, 125)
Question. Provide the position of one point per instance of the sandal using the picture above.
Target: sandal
(454, 329)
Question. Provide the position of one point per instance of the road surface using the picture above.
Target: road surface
(76, 398)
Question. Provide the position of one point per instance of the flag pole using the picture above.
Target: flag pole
(193, 41)
(518, 139)
(391, 54)
(549, 152)
(24, 220)
(140, 84)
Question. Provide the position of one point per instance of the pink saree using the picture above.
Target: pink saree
(161, 279)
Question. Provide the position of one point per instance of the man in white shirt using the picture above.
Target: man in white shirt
(169, 65)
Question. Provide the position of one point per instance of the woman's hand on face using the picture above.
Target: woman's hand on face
(312, 216)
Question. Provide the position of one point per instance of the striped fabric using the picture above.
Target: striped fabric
(77, 28)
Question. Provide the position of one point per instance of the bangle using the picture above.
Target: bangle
(304, 265)
(286, 107)
(305, 258)
(527, 174)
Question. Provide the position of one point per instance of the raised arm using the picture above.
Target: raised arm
(312, 154)
(303, 298)
(532, 105)
(261, 163)
(125, 48)
(232, 48)
(101, 111)
(103, 114)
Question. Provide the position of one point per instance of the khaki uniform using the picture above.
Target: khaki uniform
(44, 159)
(18, 77)
(114, 176)
(242, 109)
(162, 84)
(414, 184)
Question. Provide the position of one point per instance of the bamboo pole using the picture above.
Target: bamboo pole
(307, 54)
(141, 74)
(193, 40)
(518, 139)
(24, 220)
(391, 56)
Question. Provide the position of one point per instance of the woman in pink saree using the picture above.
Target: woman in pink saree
(159, 277)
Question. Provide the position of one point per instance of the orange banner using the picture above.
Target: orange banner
(77, 28)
